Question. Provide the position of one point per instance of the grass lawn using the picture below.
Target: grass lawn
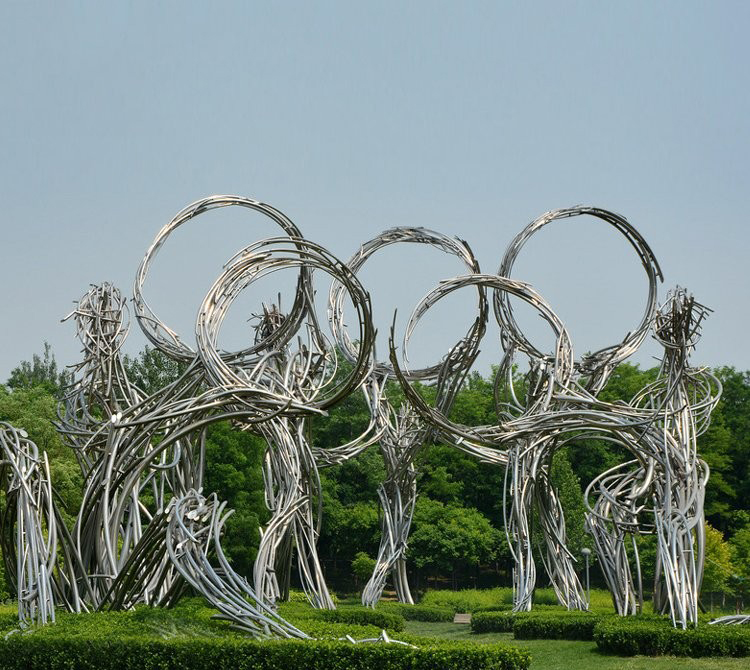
(564, 654)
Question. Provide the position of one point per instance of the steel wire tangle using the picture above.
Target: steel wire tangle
(405, 432)
(681, 401)
(168, 342)
(489, 444)
(483, 442)
(162, 336)
(101, 392)
(153, 450)
(31, 520)
(531, 460)
(594, 367)
(101, 387)
(302, 378)
(193, 531)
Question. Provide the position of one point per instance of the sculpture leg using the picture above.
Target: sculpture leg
(397, 499)
(518, 529)
(560, 562)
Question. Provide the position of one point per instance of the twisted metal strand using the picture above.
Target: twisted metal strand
(405, 432)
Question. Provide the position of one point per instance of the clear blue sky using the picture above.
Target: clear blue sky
(470, 118)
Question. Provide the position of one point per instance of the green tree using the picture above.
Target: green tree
(739, 582)
(151, 370)
(449, 539)
(42, 371)
(234, 472)
(35, 410)
(568, 487)
(715, 447)
(733, 415)
(362, 566)
(740, 543)
(718, 567)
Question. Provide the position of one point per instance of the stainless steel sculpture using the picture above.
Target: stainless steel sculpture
(405, 432)
(561, 405)
(146, 530)
(30, 513)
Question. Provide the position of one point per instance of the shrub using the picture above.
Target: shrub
(301, 597)
(364, 616)
(363, 565)
(555, 626)
(494, 608)
(418, 612)
(553, 623)
(331, 630)
(494, 622)
(188, 636)
(655, 636)
(545, 597)
(57, 652)
(468, 600)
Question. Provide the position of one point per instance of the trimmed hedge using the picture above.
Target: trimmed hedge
(559, 626)
(494, 608)
(188, 636)
(418, 612)
(364, 616)
(494, 621)
(547, 623)
(657, 637)
(41, 652)
(301, 597)
(330, 630)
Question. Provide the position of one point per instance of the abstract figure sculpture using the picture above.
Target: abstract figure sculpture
(405, 431)
(146, 530)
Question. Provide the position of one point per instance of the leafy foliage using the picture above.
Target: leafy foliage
(447, 537)
(718, 566)
(40, 372)
(418, 612)
(363, 565)
(627, 636)
(233, 471)
(151, 370)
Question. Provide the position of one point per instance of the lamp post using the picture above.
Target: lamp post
(586, 553)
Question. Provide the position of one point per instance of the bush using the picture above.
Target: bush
(364, 616)
(418, 612)
(188, 636)
(301, 597)
(363, 565)
(469, 600)
(331, 630)
(494, 621)
(540, 623)
(494, 608)
(655, 637)
(545, 597)
(57, 652)
(557, 626)
(498, 599)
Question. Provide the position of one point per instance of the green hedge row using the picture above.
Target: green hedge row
(418, 612)
(562, 626)
(551, 624)
(40, 652)
(632, 636)
(494, 621)
(364, 616)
